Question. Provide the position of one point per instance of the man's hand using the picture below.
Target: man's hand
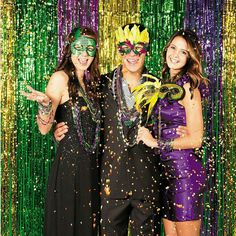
(60, 130)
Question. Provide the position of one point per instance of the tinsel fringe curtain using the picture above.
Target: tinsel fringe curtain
(32, 33)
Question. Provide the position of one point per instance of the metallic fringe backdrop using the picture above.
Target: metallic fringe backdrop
(35, 58)
(32, 34)
(162, 18)
(73, 13)
(206, 18)
(228, 177)
(8, 120)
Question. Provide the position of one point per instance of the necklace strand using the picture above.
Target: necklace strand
(93, 111)
(80, 131)
(122, 109)
(96, 117)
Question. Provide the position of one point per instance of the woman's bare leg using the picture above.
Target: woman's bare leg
(170, 228)
(187, 228)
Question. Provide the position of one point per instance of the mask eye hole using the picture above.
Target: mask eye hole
(78, 47)
(138, 47)
(164, 89)
(174, 91)
(90, 48)
(124, 47)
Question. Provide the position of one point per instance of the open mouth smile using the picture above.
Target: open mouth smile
(173, 60)
(132, 61)
(83, 61)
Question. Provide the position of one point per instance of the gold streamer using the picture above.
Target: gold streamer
(1, 9)
(113, 14)
(229, 117)
(8, 116)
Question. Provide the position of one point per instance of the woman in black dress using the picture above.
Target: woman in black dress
(72, 199)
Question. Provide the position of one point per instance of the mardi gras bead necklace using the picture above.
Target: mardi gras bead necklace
(89, 147)
(128, 119)
(92, 106)
(96, 117)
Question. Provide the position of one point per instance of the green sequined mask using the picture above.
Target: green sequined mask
(83, 44)
(171, 91)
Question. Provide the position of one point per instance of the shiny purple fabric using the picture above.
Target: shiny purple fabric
(183, 174)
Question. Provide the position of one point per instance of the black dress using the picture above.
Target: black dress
(72, 201)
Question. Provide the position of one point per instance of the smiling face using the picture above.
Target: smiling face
(83, 51)
(177, 55)
(133, 62)
(132, 44)
(133, 55)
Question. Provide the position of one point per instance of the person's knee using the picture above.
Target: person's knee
(145, 219)
(114, 217)
(108, 228)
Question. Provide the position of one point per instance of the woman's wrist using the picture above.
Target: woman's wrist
(45, 109)
(165, 145)
(46, 119)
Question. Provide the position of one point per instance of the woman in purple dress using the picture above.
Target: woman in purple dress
(184, 175)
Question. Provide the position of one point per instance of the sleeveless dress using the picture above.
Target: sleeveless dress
(72, 199)
(184, 176)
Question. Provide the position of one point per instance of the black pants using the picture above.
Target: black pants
(143, 217)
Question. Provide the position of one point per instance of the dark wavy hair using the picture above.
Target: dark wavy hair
(193, 66)
(91, 81)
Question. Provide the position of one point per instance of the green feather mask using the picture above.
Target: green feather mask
(149, 92)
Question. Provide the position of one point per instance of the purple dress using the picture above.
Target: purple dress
(184, 175)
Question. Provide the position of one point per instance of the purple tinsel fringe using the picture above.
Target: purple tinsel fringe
(205, 17)
(73, 13)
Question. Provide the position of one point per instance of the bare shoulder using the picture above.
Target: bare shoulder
(59, 77)
(196, 93)
(57, 83)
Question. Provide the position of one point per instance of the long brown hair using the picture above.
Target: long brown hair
(92, 76)
(193, 66)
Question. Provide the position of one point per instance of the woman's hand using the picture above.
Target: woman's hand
(145, 136)
(37, 96)
(60, 130)
(182, 131)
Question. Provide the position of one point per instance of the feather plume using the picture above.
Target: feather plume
(147, 94)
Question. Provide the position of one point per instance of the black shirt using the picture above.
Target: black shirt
(126, 171)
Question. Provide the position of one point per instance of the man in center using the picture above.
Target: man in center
(129, 170)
